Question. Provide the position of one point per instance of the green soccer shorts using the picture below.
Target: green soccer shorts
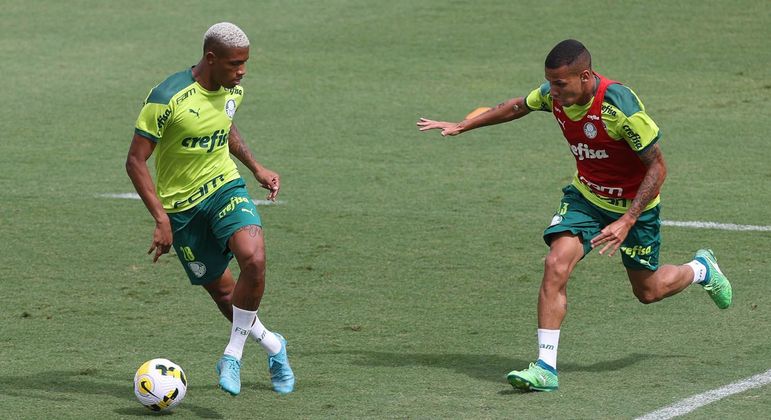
(201, 234)
(640, 249)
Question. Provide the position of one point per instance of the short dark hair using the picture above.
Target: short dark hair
(566, 53)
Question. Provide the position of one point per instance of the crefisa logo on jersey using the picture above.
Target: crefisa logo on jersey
(230, 108)
(590, 130)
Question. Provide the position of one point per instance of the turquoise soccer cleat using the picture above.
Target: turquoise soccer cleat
(281, 374)
(716, 284)
(229, 369)
(537, 377)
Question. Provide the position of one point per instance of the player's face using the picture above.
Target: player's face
(229, 67)
(570, 86)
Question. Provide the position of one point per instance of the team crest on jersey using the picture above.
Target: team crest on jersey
(197, 268)
(590, 130)
(230, 108)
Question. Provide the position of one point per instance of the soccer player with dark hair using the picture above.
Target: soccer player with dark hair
(612, 202)
(199, 201)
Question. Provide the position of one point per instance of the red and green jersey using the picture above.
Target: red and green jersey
(604, 136)
(190, 126)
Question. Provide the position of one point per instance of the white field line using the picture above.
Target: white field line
(135, 196)
(692, 403)
(687, 224)
(715, 225)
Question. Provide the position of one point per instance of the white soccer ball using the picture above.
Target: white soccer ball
(160, 384)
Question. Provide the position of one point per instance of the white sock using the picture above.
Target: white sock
(265, 338)
(699, 271)
(548, 341)
(242, 323)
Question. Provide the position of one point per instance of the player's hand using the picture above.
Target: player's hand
(613, 235)
(270, 181)
(162, 238)
(448, 128)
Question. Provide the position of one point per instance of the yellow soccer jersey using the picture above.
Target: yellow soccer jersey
(190, 126)
(624, 118)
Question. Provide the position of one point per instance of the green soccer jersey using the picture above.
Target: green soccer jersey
(190, 126)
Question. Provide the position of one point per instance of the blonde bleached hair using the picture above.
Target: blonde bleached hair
(224, 34)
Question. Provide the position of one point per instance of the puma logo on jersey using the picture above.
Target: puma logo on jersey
(582, 151)
(195, 112)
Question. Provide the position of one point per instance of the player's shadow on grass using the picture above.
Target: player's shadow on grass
(485, 366)
(69, 385)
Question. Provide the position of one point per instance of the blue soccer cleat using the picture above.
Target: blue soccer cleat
(229, 369)
(281, 374)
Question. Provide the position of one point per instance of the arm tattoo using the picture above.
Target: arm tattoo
(240, 150)
(654, 178)
(254, 230)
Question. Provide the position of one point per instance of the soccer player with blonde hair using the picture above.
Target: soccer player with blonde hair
(199, 200)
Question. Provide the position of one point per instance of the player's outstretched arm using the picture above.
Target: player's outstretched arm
(136, 167)
(268, 179)
(504, 112)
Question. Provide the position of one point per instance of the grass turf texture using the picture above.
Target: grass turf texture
(403, 268)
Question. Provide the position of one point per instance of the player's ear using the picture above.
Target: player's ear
(585, 76)
(210, 57)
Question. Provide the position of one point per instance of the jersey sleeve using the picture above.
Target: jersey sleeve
(634, 125)
(153, 119)
(539, 99)
(640, 131)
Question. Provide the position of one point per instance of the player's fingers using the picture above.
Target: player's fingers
(605, 248)
(615, 248)
(162, 249)
(599, 239)
(152, 248)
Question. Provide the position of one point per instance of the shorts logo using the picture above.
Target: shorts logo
(197, 268)
(590, 130)
(234, 201)
(557, 219)
(230, 108)
(636, 250)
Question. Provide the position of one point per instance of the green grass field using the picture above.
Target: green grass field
(403, 267)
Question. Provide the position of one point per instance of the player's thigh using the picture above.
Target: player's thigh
(575, 216)
(198, 251)
(237, 225)
(640, 250)
(565, 251)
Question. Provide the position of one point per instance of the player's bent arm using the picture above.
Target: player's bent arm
(136, 167)
(654, 178)
(504, 112)
(240, 150)
(268, 179)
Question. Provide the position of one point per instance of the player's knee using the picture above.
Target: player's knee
(556, 267)
(222, 299)
(254, 262)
